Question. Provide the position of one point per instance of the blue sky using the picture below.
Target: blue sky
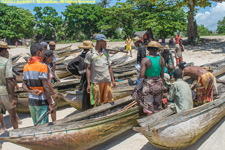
(208, 16)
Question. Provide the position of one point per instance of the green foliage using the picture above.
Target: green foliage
(221, 26)
(202, 30)
(120, 16)
(104, 3)
(83, 18)
(163, 17)
(15, 23)
(48, 23)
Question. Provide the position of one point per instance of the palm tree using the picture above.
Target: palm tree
(104, 3)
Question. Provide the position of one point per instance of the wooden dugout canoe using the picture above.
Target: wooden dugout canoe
(64, 48)
(124, 88)
(16, 58)
(80, 131)
(183, 129)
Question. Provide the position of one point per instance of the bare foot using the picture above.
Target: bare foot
(2, 130)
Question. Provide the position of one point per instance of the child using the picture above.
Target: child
(48, 58)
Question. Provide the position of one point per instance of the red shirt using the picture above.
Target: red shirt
(177, 39)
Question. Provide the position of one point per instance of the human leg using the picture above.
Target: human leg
(41, 110)
(107, 93)
(13, 118)
(33, 113)
(3, 127)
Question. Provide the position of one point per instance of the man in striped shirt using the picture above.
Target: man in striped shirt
(35, 81)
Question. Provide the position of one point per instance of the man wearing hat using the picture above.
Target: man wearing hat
(7, 86)
(205, 81)
(141, 52)
(151, 83)
(78, 68)
(167, 55)
(53, 64)
(180, 94)
(44, 44)
(99, 73)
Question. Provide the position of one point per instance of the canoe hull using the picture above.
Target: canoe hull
(187, 130)
(91, 135)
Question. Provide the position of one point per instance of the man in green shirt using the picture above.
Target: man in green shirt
(7, 96)
(180, 93)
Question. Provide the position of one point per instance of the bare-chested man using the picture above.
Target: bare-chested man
(205, 81)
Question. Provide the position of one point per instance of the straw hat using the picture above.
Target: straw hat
(167, 47)
(136, 39)
(86, 45)
(4, 45)
(51, 43)
(155, 44)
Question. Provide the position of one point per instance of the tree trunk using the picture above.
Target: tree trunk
(191, 26)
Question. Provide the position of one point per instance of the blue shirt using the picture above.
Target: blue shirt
(171, 74)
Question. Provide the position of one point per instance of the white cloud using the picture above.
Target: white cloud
(210, 18)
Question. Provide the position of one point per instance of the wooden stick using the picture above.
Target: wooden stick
(116, 50)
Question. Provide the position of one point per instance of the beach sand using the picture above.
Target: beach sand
(212, 51)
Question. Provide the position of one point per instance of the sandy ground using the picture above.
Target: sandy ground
(204, 53)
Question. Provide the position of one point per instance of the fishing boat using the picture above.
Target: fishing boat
(124, 88)
(79, 131)
(183, 129)
(16, 58)
(64, 48)
(167, 130)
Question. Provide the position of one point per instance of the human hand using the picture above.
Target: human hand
(17, 87)
(14, 102)
(37, 92)
(89, 89)
(56, 96)
(114, 84)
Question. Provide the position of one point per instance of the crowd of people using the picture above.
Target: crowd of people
(93, 66)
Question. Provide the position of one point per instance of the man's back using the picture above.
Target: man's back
(180, 93)
(5, 72)
(194, 71)
(33, 73)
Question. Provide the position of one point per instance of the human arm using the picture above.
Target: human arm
(88, 73)
(11, 89)
(171, 95)
(143, 67)
(27, 89)
(162, 64)
(47, 93)
(171, 58)
(112, 77)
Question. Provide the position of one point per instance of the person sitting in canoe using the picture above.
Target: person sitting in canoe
(35, 81)
(99, 73)
(149, 92)
(205, 82)
(179, 94)
(78, 68)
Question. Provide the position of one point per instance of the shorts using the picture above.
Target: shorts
(37, 112)
(128, 47)
(6, 102)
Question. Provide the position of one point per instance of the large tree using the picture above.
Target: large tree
(162, 18)
(119, 16)
(15, 23)
(104, 3)
(48, 23)
(221, 26)
(83, 18)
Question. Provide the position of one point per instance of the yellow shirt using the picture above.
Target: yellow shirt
(128, 42)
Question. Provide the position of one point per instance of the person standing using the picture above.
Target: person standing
(16, 44)
(178, 52)
(99, 73)
(128, 47)
(141, 52)
(150, 90)
(78, 68)
(52, 65)
(8, 100)
(177, 38)
(35, 81)
(180, 93)
(167, 55)
(44, 44)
